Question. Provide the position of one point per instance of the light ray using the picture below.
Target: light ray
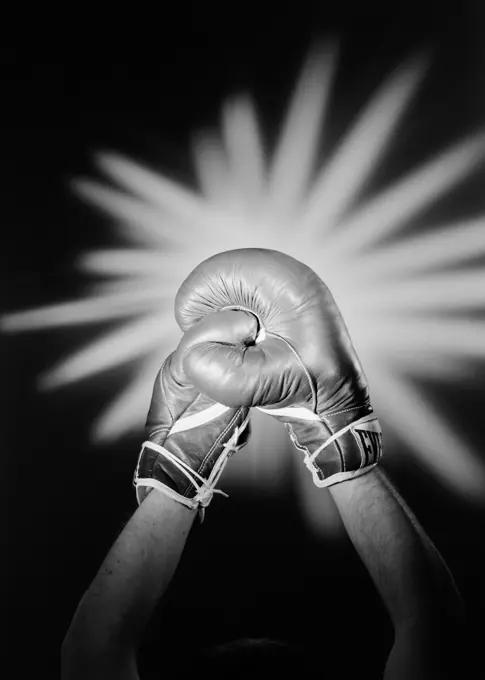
(436, 293)
(149, 186)
(263, 460)
(168, 274)
(390, 210)
(179, 202)
(448, 245)
(244, 150)
(117, 347)
(463, 338)
(141, 223)
(430, 364)
(128, 303)
(402, 325)
(129, 262)
(128, 411)
(115, 286)
(434, 442)
(296, 152)
(212, 169)
(347, 172)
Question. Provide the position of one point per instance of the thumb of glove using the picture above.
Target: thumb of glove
(211, 354)
(222, 357)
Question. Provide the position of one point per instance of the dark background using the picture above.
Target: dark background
(140, 83)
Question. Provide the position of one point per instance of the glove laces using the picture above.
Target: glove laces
(205, 488)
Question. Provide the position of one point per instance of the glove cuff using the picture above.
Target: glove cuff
(157, 465)
(352, 441)
(362, 437)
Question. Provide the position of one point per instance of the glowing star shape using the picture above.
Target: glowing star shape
(398, 300)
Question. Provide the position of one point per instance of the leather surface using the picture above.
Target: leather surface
(306, 360)
(199, 447)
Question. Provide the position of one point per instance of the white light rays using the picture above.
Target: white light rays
(446, 338)
(341, 179)
(408, 314)
(435, 443)
(296, 153)
(432, 294)
(385, 214)
(180, 206)
(134, 264)
(128, 302)
(212, 169)
(265, 460)
(131, 404)
(124, 344)
(449, 245)
(138, 222)
(245, 155)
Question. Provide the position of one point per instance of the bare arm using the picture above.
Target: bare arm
(413, 580)
(107, 626)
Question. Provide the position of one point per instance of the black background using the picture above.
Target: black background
(140, 81)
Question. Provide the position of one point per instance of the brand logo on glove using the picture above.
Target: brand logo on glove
(369, 440)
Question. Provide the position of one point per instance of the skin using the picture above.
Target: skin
(416, 586)
(103, 637)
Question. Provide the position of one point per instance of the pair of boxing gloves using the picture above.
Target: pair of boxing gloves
(262, 330)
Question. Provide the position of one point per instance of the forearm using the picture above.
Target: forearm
(407, 569)
(422, 654)
(109, 621)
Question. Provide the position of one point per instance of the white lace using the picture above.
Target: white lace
(205, 488)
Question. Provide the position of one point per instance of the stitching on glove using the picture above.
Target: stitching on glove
(345, 410)
(206, 490)
(159, 431)
(216, 443)
(295, 441)
(162, 387)
(306, 371)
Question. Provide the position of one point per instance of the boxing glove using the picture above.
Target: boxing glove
(289, 354)
(189, 437)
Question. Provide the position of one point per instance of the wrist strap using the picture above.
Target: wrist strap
(366, 419)
(340, 476)
(205, 488)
